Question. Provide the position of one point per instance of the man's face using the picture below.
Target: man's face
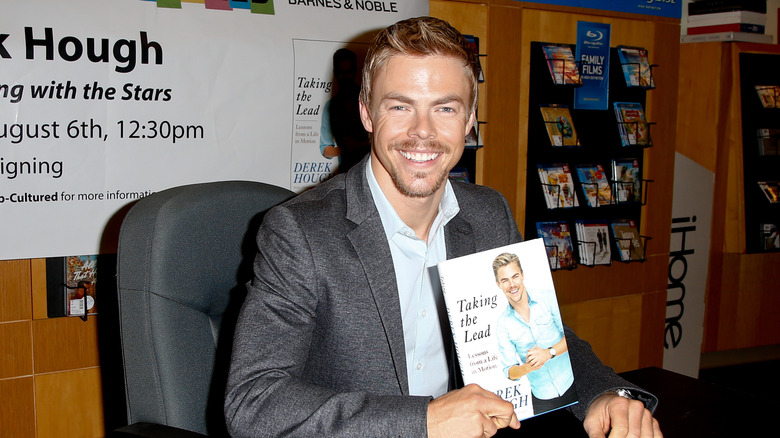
(510, 279)
(419, 117)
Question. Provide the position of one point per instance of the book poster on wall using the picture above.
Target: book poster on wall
(104, 103)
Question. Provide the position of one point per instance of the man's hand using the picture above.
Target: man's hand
(537, 357)
(469, 412)
(624, 417)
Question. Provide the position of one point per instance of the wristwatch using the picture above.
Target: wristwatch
(552, 352)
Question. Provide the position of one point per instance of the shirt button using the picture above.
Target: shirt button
(424, 313)
(419, 366)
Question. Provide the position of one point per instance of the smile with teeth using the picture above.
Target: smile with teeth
(420, 157)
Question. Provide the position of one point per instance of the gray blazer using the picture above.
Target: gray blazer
(319, 345)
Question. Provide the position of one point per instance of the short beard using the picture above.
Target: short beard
(409, 189)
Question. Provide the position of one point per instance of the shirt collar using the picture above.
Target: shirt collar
(392, 223)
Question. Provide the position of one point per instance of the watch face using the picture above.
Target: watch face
(552, 352)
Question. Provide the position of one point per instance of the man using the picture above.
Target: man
(341, 331)
(524, 328)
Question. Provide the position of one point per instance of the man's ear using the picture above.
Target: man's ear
(470, 122)
(365, 117)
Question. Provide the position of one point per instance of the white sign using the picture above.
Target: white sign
(689, 254)
(102, 103)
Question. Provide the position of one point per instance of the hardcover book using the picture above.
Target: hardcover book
(770, 239)
(507, 328)
(632, 124)
(709, 6)
(626, 175)
(749, 37)
(593, 242)
(628, 240)
(767, 141)
(559, 124)
(728, 17)
(595, 185)
(560, 61)
(730, 27)
(557, 185)
(771, 190)
(558, 244)
(636, 67)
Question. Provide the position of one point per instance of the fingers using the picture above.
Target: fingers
(469, 412)
(620, 417)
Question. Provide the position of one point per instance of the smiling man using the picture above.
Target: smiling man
(343, 331)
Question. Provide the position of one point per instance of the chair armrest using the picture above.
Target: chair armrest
(151, 430)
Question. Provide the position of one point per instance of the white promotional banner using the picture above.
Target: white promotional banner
(105, 102)
(689, 254)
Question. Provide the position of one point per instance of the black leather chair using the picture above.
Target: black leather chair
(184, 256)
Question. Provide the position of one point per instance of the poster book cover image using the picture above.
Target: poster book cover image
(559, 124)
(80, 285)
(504, 315)
(560, 61)
(558, 185)
(593, 242)
(558, 245)
(626, 175)
(636, 67)
(595, 185)
(629, 243)
(632, 125)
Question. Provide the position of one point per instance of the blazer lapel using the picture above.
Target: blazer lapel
(370, 243)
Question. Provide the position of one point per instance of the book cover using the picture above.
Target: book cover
(507, 328)
(636, 67)
(557, 243)
(626, 174)
(629, 243)
(632, 124)
(767, 141)
(559, 124)
(770, 190)
(80, 285)
(768, 95)
(558, 185)
(560, 61)
(595, 185)
(593, 242)
(748, 17)
(770, 238)
(732, 27)
(748, 37)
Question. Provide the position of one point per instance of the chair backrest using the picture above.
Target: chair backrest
(184, 256)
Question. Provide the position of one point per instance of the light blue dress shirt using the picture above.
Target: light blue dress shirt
(419, 290)
(516, 337)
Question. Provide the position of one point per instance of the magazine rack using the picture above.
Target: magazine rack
(598, 143)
